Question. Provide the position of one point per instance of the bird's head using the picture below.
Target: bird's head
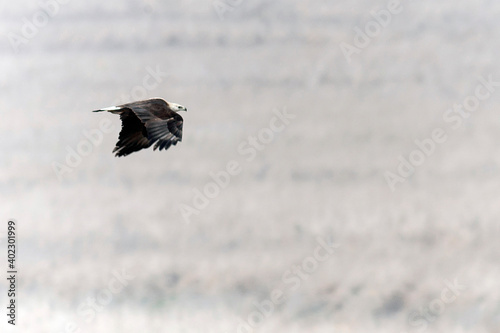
(177, 107)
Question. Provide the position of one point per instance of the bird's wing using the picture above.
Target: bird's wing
(143, 114)
(166, 131)
(133, 136)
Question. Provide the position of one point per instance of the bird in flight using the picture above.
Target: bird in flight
(146, 122)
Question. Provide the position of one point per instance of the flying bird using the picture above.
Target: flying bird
(146, 122)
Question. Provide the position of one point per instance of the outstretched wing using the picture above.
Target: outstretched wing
(133, 136)
(163, 125)
(165, 132)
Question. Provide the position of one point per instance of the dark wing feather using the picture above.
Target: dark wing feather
(133, 136)
(166, 131)
(143, 114)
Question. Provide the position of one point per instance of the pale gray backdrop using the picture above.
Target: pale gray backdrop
(420, 256)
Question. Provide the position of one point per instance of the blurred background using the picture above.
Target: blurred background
(127, 244)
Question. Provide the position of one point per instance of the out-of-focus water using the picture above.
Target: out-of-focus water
(104, 247)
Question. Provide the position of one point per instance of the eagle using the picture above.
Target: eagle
(146, 122)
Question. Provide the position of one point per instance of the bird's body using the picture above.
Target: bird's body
(146, 122)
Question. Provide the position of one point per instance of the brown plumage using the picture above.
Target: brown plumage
(146, 122)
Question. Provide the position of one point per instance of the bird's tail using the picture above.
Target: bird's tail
(112, 109)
